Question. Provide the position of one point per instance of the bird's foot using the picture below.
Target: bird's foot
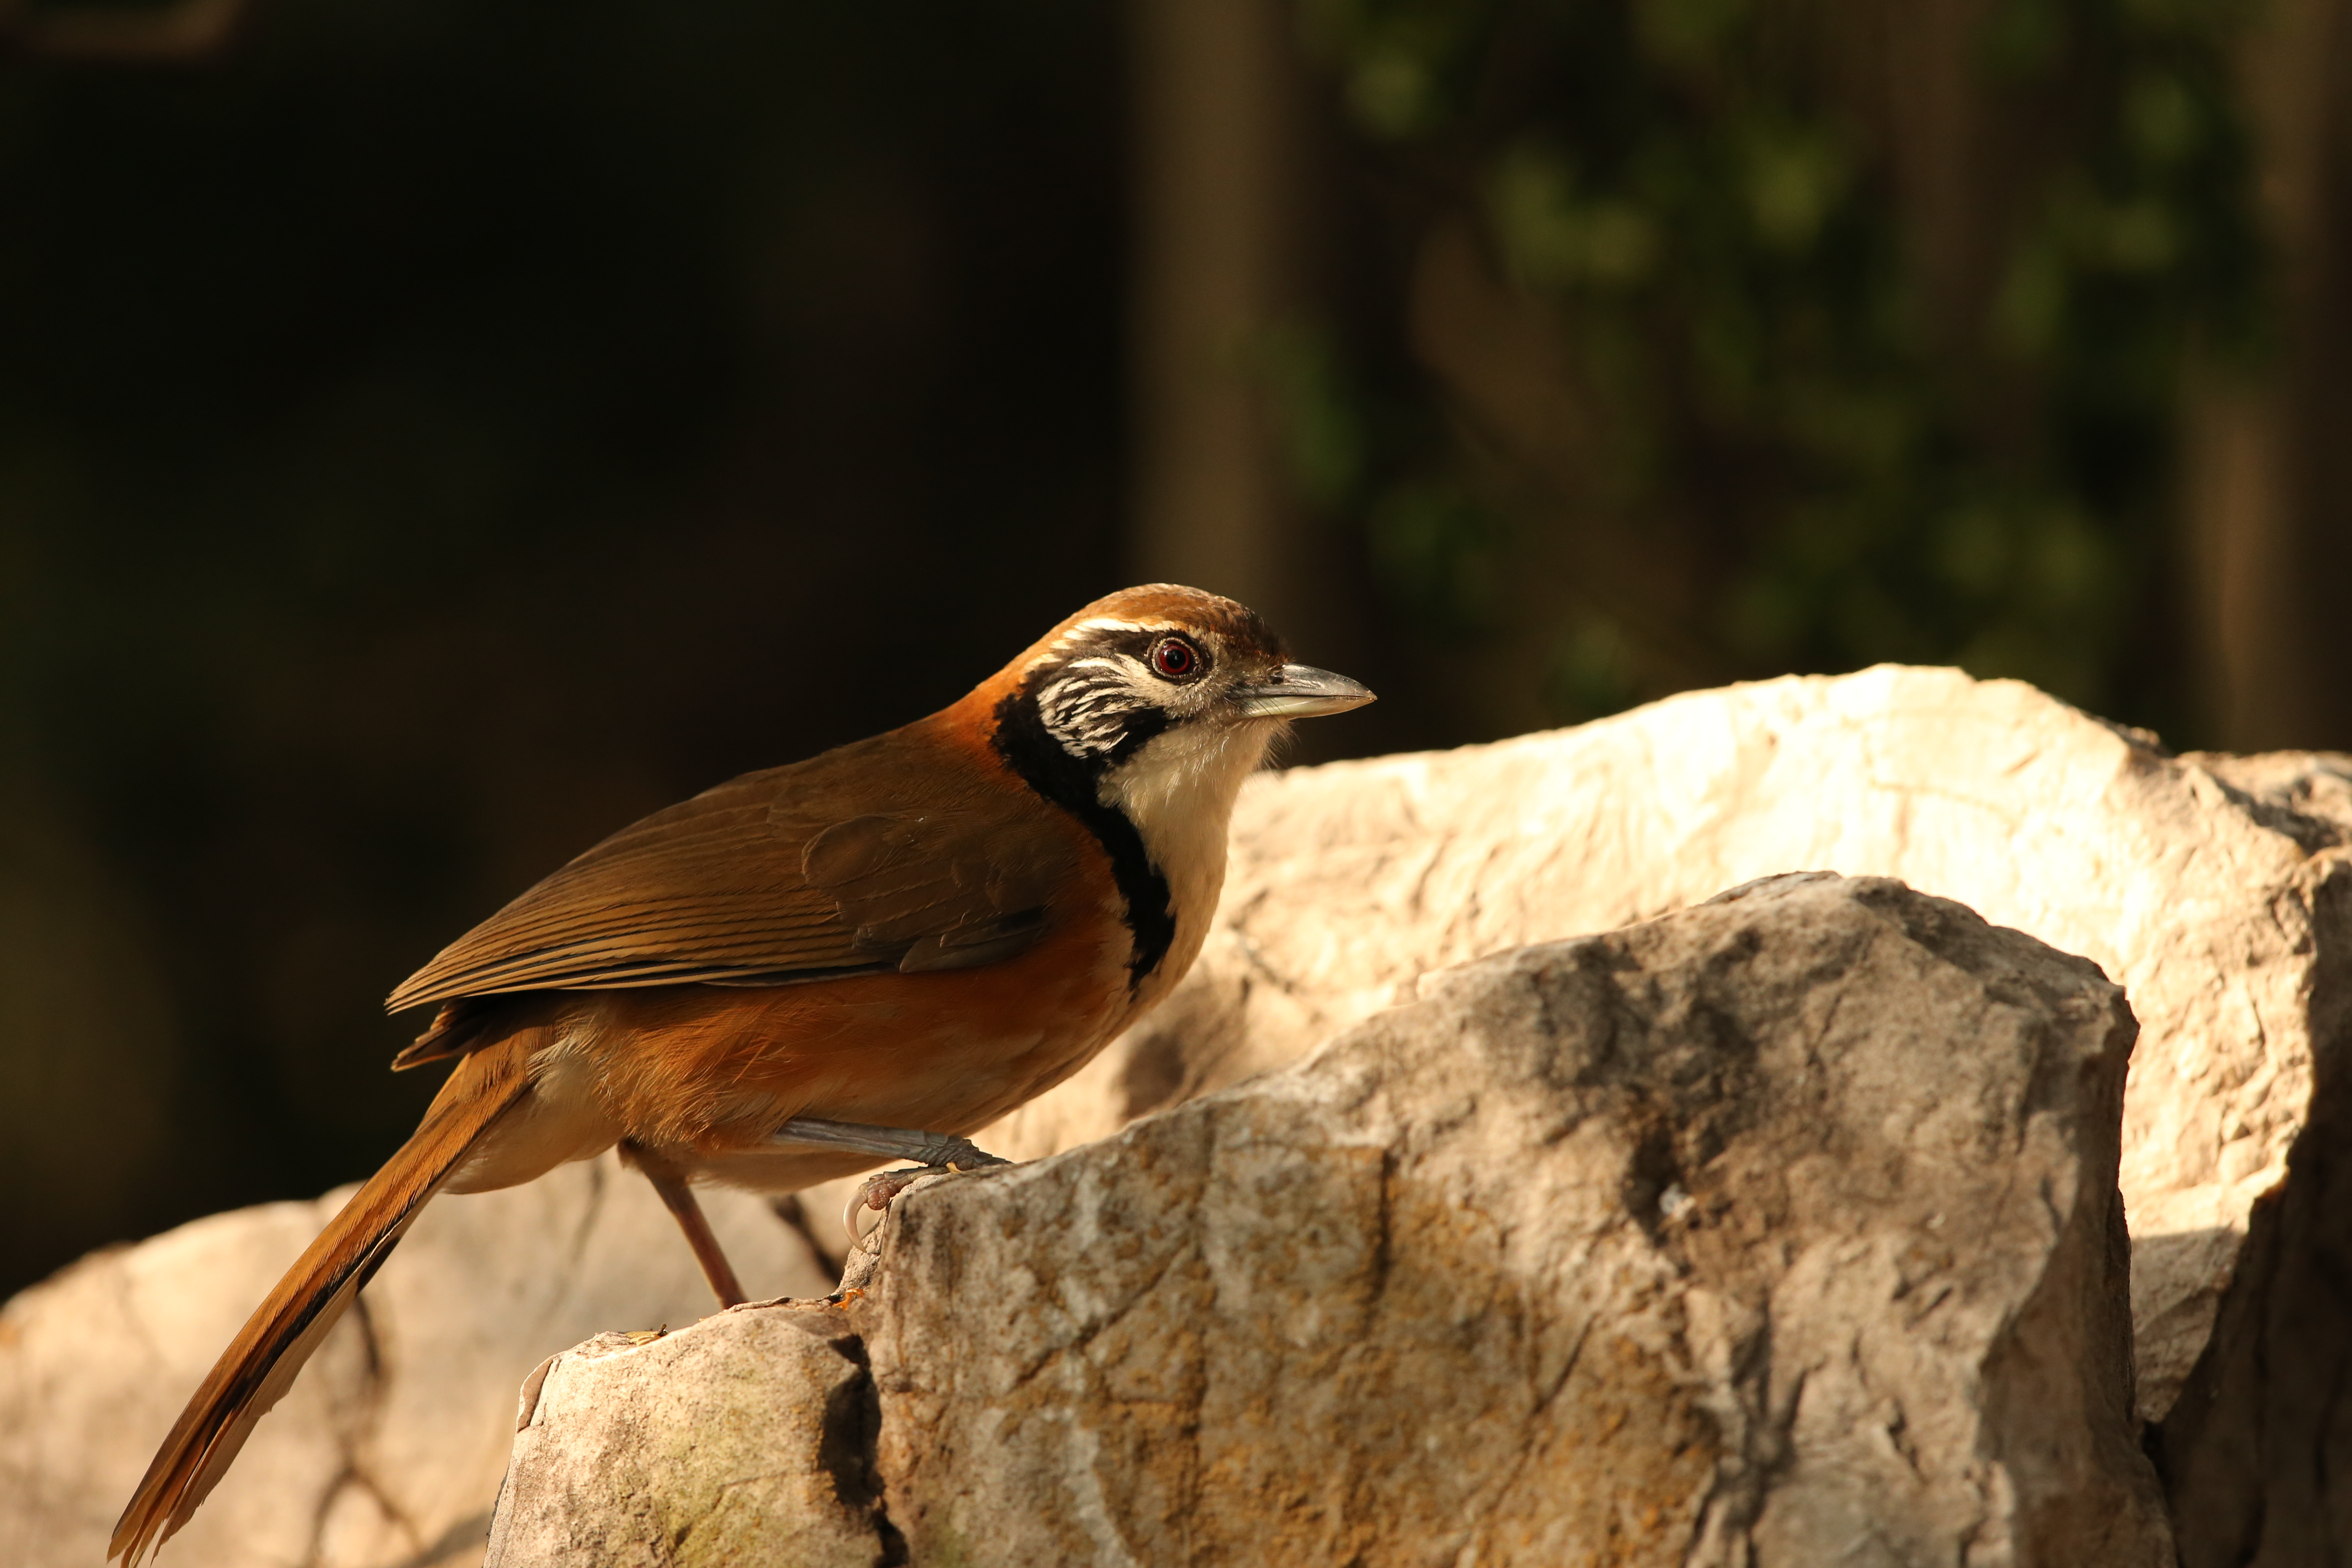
(874, 1194)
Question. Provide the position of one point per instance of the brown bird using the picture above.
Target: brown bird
(812, 969)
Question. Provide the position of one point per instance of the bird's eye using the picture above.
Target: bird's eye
(1173, 658)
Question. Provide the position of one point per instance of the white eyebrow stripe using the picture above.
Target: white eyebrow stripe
(1111, 624)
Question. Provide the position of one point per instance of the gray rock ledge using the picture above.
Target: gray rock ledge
(1782, 1230)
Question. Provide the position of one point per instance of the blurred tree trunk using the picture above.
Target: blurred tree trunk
(1215, 263)
(1236, 219)
(1222, 232)
(2268, 493)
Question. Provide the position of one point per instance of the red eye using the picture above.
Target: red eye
(1174, 658)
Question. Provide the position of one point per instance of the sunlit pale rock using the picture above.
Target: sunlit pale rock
(2215, 891)
(390, 1447)
(1780, 1231)
(744, 1441)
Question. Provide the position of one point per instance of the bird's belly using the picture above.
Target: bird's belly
(705, 1074)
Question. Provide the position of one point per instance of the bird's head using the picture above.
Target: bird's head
(1160, 671)
(1142, 715)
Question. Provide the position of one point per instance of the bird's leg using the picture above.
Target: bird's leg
(935, 1153)
(686, 1209)
(944, 1150)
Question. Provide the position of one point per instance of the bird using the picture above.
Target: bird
(812, 969)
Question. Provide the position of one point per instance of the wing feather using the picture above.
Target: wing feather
(848, 863)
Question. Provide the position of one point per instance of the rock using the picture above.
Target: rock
(2214, 889)
(390, 1447)
(685, 1425)
(2254, 1451)
(1782, 1230)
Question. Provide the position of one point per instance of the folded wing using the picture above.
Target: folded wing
(777, 877)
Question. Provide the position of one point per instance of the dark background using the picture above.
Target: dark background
(433, 433)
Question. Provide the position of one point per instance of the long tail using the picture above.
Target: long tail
(259, 1364)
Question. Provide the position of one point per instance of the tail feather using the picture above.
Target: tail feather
(260, 1363)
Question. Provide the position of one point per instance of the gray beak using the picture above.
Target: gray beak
(1301, 691)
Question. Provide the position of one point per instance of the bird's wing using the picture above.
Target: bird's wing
(842, 865)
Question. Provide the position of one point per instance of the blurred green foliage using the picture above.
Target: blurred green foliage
(1885, 412)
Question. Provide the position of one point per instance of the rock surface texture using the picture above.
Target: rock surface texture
(389, 1449)
(2218, 891)
(744, 1439)
(2257, 1452)
(1782, 1230)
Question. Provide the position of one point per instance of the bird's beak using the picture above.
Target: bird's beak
(1301, 691)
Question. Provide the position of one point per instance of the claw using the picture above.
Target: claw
(874, 1194)
(861, 1202)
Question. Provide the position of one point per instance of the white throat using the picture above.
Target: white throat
(1179, 792)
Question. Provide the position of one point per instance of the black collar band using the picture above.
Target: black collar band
(1074, 783)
